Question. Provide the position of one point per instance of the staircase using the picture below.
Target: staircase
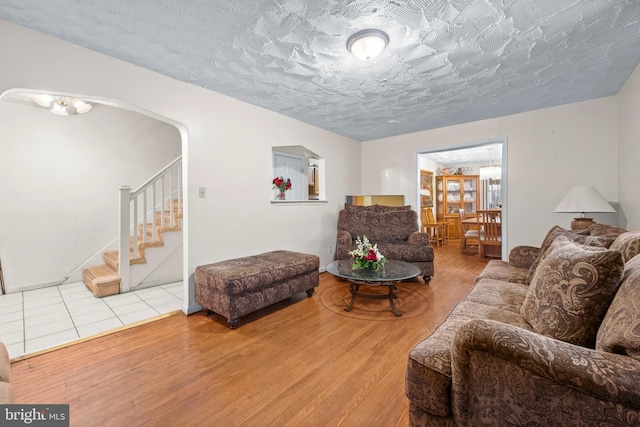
(140, 234)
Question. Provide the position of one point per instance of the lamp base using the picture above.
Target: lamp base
(581, 223)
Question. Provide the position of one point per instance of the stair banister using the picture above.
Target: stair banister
(141, 216)
(155, 177)
(123, 241)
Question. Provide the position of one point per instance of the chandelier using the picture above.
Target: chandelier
(62, 105)
(490, 172)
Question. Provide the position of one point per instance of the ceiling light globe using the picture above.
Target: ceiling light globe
(59, 109)
(81, 106)
(42, 100)
(367, 44)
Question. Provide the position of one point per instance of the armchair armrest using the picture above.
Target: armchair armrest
(523, 256)
(537, 377)
(418, 238)
(344, 237)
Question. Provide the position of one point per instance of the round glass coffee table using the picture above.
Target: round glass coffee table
(393, 272)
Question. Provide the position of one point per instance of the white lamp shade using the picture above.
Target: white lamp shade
(583, 199)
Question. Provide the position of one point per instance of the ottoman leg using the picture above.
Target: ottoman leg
(310, 292)
(233, 323)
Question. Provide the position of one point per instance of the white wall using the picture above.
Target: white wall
(227, 150)
(581, 136)
(60, 179)
(629, 150)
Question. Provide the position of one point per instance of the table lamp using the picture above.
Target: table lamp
(583, 199)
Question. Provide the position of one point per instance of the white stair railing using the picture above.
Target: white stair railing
(161, 193)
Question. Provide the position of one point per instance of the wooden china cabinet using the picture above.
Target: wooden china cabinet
(455, 192)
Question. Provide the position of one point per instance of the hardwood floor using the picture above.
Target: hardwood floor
(302, 362)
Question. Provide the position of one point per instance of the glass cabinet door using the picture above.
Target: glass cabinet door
(470, 195)
(454, 195)
(439, 197)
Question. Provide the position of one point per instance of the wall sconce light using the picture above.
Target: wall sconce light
(367, 44)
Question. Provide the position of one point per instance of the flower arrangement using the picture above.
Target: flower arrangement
(367, 255)
(281, 184)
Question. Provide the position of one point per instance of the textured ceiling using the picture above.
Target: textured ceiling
(448, 62)
(481, 154)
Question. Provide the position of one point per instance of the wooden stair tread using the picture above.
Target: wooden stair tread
(101, 280)
(101, 273)
(100, 277)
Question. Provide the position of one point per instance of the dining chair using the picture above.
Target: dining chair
(433, 228)
(444, 226)
(490, 222)
(470, 233)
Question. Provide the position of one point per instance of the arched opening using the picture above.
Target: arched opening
(61, 179)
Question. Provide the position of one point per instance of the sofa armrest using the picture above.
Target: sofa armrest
(536, 377)
(6, 390)
(419, 238)
(523, 256)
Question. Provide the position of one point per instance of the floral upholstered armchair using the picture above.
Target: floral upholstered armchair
(393, 229)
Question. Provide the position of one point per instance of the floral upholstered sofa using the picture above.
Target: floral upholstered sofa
(550, 338)
(393, 229)
(6, 390)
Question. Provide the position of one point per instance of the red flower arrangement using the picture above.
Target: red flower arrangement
(367, 255)
(282, 185)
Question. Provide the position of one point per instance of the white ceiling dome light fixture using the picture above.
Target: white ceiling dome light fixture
(367, 44)
(62, 105)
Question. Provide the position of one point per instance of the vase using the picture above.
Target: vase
(281, 196)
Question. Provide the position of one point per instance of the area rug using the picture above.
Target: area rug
(410, 302)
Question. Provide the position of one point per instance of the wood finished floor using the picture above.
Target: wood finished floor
(302, 362)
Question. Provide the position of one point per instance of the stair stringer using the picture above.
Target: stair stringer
(154, 257)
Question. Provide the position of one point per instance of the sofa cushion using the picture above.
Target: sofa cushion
(604, 240)
(407, 253)
(428, 377)
(628, 243)
(620, 329)
(571, 291)
(501, 270)
(604, 229)
(498, 293)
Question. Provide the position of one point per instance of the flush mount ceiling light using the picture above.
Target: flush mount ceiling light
(367, 44)
(62, 105)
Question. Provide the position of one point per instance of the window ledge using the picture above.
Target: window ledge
(298, 202)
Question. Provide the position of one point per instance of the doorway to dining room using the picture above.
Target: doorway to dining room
(464, 179)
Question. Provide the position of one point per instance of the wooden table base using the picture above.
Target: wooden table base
(354, 287)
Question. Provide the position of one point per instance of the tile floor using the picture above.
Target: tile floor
(39, 319)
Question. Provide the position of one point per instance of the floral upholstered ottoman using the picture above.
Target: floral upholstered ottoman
(236, 287)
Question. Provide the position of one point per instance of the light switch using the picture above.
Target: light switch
(202, 192)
